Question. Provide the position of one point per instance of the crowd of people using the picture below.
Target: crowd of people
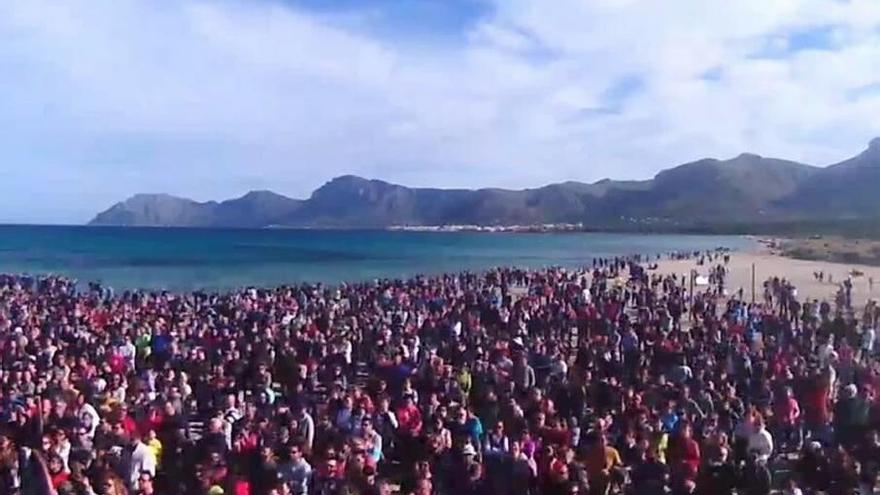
(606, 379)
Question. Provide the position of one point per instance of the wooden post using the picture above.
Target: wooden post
(691, 286)
(753, 283)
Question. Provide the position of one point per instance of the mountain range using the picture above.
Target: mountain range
(748, 189)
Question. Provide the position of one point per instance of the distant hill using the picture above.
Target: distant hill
(849, 189)
(709, 193)
(254, 209)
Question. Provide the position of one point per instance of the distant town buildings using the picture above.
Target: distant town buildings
(547, 227)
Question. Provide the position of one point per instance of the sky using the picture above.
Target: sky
(102, 99)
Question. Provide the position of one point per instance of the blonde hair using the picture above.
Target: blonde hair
(117, 486)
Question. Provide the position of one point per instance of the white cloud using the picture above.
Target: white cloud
(210, 98)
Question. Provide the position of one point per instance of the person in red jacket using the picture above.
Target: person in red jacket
(409, 418)
(409, 426)
(787, 415)
(817, 413)
(684, 456)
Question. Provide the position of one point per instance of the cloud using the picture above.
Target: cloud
(102, 99)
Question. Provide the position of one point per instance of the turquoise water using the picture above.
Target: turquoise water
(185, 259)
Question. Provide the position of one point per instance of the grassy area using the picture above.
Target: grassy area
(836, 249)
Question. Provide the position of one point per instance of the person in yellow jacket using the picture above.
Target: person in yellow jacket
(154, 445)
(465, 381)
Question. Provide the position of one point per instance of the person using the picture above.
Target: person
(650, 476)
(684, 455)
(814, 468)
(521, 470)
(409, 426)
(719, 476)
(757, 478)
(760, 441)
(295, 472)
(145, 484)
(601, 463)
(792, 488)
(113, 485)
(58, 474)
(139, 460)
(869, 337)
(787, 415)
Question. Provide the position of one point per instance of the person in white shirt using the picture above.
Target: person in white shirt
(825, 351)
(128, 352)
(869, 336)
(230, 416)
(142, 460)
(761, 441)
(306, 425)
(89, 417)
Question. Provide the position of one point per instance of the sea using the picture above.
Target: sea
(184, 259)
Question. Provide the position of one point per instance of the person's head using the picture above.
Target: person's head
(145, 482)
(758, 422)
(5, 440)
(686, 431)
(540, 419)
(59, 407)
(266, 452)
(515, 448)
(384, 487)
(295, 453)
(111, 485)
(215, 425)
(56, 464)
(423, 469)
(46, 443)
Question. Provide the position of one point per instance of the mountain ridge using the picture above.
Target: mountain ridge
(746, 188)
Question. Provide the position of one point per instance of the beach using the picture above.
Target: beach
(769, 263)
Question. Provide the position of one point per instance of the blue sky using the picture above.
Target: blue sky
(102, 99)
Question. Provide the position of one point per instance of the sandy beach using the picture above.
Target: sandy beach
(799, 272)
